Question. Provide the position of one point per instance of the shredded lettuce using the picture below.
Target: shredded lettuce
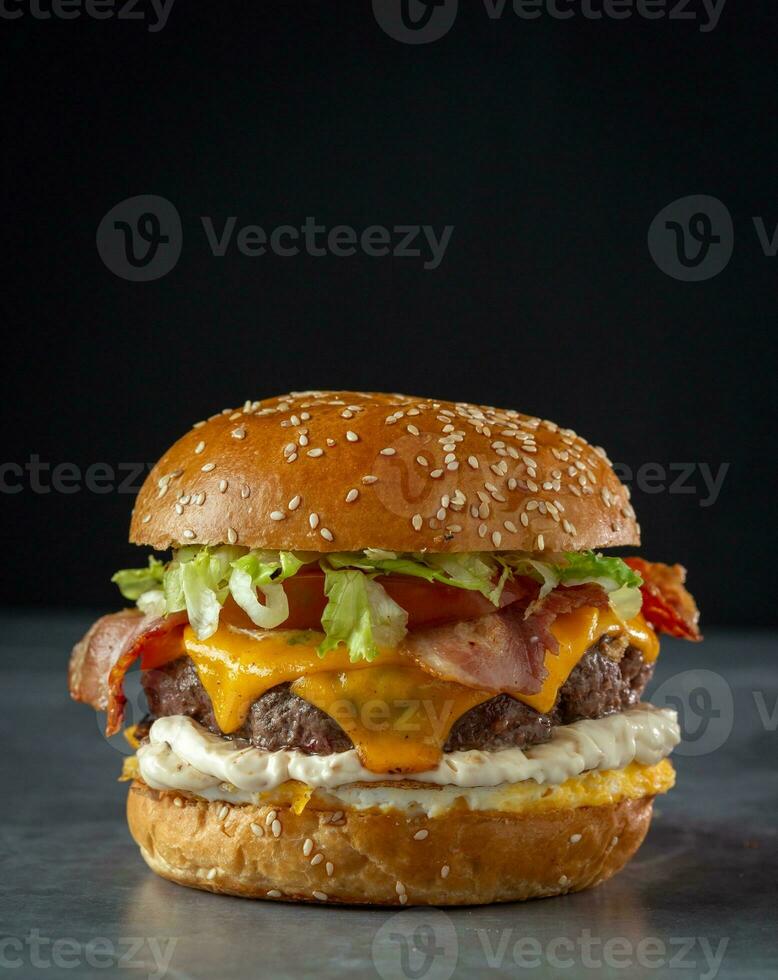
(133, 582)
(471, 571)
(359, 614)
(152, 603)
(265, 571)
(613, 575)
(204, 583)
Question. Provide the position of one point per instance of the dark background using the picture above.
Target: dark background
(549, 145)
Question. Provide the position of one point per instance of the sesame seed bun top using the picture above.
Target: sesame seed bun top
(344, 471)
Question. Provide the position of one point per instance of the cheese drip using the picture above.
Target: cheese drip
(397, 717)
(395, 713)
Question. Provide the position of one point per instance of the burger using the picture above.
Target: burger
(385, 659)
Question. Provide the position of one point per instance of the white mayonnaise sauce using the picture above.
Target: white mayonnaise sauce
(182, 755)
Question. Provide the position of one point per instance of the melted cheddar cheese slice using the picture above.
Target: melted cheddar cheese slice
(397, 715)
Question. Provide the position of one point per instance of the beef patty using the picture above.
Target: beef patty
(599, 685)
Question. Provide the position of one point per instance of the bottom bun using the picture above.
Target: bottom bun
(382, 858)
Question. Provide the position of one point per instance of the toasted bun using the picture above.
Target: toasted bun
(344, 470)
(376, 858)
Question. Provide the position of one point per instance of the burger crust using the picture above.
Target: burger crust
(344, 471)
(373, 857)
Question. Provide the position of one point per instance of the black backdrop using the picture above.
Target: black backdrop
(550, 145)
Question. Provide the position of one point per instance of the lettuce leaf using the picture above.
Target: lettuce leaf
(263, 571)
(359, 614)
(133, 582)
(471, 571)
(587, 566)
(204, 584)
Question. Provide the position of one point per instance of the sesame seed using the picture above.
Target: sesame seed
(482, 529)
(274, 893)
(412, 429)
(496, 538)
(615, 841)
(352, 436)
(179, 509)
(388, 451)
(239, 433)
(277, 515)
(177, 801)
(352, 495)
(276, 828)
(223, 486)
(444, 871)
(326, 534)
(232, 535)
(540, 543)
(416, 521)
(436, 473)
(403, 898)
(575, 838)
(270, 817)
(316, 859)
(313, 521)
(421, 834)
(207, 467)
(509, 526)
(564, 880)
(315, 452)
(146, 518)
(256, 830)
(422, 461)
(199, 447)
(223, 813)
(303, 440)
(369, 479)
(472, 461)
(320, 896)
(453, 466)
(307, 846)
(211, 874)
(329, 867)
(399, 888)
(294, 503)
(245, 492)
(188, 533)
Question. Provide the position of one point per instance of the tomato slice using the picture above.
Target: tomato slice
(427, 603)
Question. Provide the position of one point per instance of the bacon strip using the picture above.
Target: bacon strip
(502, 651)
(100, 660)
(667, 604)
